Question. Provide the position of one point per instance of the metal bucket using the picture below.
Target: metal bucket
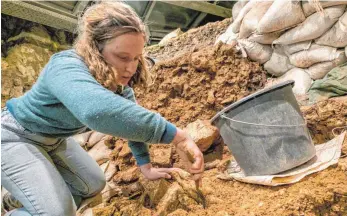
(266, 131)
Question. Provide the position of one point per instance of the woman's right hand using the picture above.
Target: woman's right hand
(190, 154)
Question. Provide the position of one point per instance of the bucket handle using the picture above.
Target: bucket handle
(266, 125)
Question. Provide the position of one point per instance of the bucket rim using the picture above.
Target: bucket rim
(252, 96)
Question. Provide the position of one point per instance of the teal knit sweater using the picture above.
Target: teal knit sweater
(66, 100)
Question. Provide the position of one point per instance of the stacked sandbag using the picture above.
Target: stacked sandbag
(278, 64)
(337, 35)
(305, 39)
(313, 27)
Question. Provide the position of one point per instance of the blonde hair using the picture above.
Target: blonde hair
(100, 23)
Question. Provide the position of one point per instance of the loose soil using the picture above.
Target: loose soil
(194, 38)
(182, 94)
(200, 83)
(326, 117)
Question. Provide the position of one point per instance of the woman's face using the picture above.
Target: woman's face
(123, 54)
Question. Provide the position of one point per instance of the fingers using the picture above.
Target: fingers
(157, 175)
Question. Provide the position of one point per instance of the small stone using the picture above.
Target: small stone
(210, 97)
(203, 133)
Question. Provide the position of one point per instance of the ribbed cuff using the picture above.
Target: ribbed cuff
(142, 159)
(169, 133)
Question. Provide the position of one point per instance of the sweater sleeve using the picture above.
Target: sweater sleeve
(140, 150)
(69, 80)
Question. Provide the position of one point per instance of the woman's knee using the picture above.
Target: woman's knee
(62, 208)
(97, 183)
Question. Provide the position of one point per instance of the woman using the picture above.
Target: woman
(84, 88)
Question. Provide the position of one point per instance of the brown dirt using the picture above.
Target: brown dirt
(194, 86)
(194, 38)
(200, 83)
(324, 116)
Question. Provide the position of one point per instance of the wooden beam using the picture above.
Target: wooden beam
(148, 11)
(204, 7)
(38, 14)
(201, 17)
(79, 7)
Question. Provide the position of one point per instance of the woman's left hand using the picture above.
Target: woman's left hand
(152, 173)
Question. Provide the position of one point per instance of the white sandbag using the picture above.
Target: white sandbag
(337, 35)
(100, 152)
(255, 51)
(237, 7)
(282, 14)
(313, 27)
(267, 38)
(110, 171)
(296, 47)
(238, 20)
(307, 58)
(252, 18)
(169, 36)
(227, 37)
(278, 64)
(302, 80)
(82, 138)
(95, 137)
(319, 70)
(312, 7)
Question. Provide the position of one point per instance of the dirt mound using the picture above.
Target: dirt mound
(200, 83)
(324, 116)
(194, 38)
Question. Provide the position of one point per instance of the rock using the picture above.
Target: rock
(127, 176)
(154, 191)
(161, 155)
(203, 133)
(170, 200)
